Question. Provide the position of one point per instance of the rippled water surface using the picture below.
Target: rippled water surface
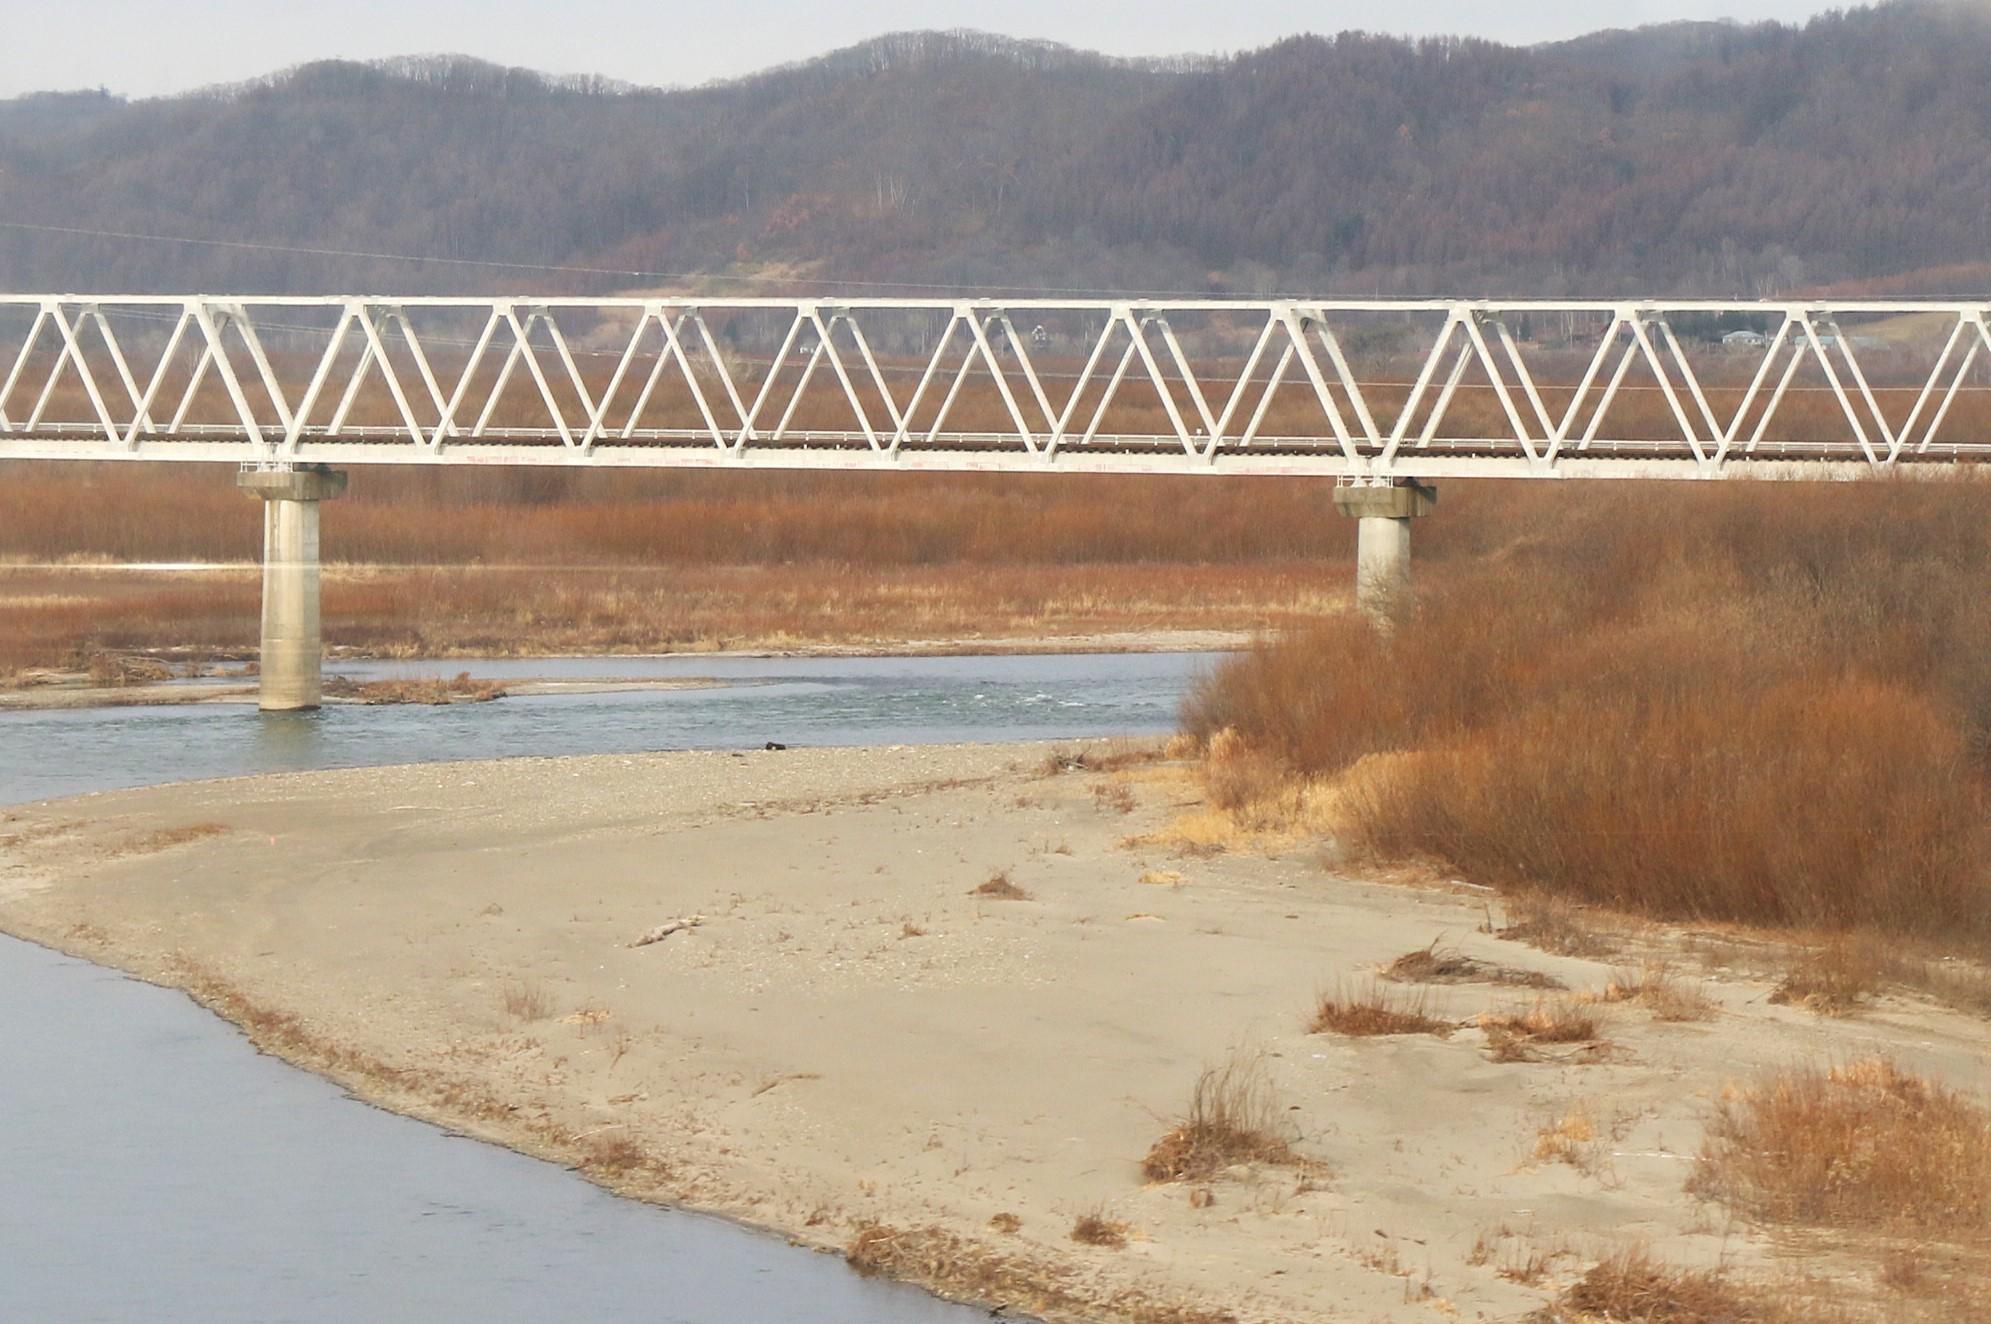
(157, 1168)
(796, 701)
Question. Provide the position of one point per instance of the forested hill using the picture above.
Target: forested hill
(1719, 158)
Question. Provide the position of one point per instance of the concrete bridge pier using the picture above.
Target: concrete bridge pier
(1382, 542)
(293, 645)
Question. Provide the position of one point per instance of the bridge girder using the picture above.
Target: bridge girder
(1528, 388)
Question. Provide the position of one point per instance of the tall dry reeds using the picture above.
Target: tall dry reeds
(1766, 704)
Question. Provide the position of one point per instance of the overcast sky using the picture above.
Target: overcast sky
(149, 47)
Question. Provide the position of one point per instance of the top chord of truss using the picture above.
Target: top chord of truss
(1368, 390)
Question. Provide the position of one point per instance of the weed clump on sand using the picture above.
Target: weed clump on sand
(1371, 1009)
(1835, 980)
(1094, 1228)
(1523, 1035)
(435, 690)
(1232, 1119)
(1654, 986)
(1000, 887)
(147, 843)
(527, 1002)
(1448, 965)
(1551, 924)
(1866, 1144)
(1634, 1288)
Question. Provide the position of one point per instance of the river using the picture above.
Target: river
(159, 1168)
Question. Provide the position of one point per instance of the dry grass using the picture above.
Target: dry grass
(1701, 705)
(1114, 797)
(1567, 1139)
(999, 887)
(1006, 1223)
(1006, 1279)
(1448, 965)
(149, 843)
(1372, 1008)
(1523, 1035)
(1633, 1288)
(1864, 1145)
(455, 562)
(1551, 924)
(1094, 1228)
(459, 688)
(1233, 1119)
(526, 1001)
(1835, 980)
(1654, 985)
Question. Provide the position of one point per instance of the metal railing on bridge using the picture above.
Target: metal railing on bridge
(1367, 390)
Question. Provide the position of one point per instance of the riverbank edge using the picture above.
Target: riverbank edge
(66, 690)
(955, 1267)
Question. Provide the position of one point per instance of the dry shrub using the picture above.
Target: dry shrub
(1866, 1144)
(1114, 797)
(1567, 1139)
(1448, 965)
(147, 843)
(1109, 756)
(1633, 1288)
(527, 1002)
(999, 887)
(1834, 980)
(434, 690)
(1702, 704)
(1006, 1223)
(1237, 777)
(1652, 984)
(1373, 1008)
(612, 1156)
(1521, 1035)
(1094, 1228)
(1233, 1118)
(115, 669)
(941, 1260)
(1551, 924)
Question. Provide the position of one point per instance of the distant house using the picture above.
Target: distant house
(1745, 340)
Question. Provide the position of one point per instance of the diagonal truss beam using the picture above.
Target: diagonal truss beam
(1242, 385)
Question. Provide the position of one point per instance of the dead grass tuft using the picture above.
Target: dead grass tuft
(1007, 1223)
(1373, 1008)
(1552, 924)
(1000, 887)
(1114, 797)
(459, 688)
(1448, 965)
(148, 843)
(1232, 1119)
(1522, 1035)
(1834, 980)
(1569, 1138)
(1094, 1228)
(1653, 985)
(1633, 1288)
(527, 1001)
(608, 1157)
(1866, 1144)
(1006, 1279)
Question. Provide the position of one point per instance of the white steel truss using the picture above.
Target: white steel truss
(1364, 390)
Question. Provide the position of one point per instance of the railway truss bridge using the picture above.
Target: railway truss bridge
(1385, 396)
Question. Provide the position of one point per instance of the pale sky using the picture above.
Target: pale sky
(150, 47)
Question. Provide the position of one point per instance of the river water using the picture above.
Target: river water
(157, 1167)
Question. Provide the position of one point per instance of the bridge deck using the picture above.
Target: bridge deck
(1367, 390)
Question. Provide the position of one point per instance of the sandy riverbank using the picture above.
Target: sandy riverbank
(851, 1038)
